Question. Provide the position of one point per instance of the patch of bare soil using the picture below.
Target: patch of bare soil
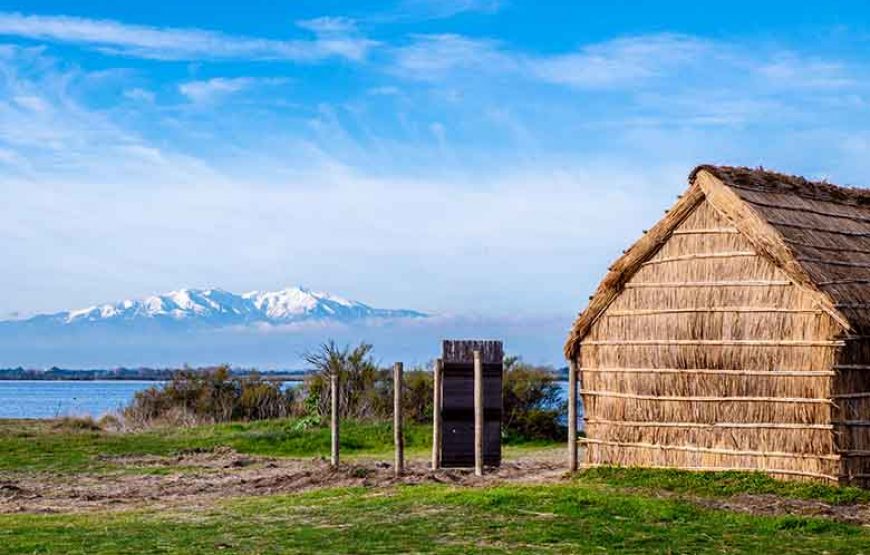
(767, 504)
(203, 477)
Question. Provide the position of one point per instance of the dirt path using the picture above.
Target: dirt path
(203, 477)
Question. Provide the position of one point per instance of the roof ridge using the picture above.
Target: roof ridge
(763, 180)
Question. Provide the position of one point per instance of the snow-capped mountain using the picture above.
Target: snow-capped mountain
(216, 307)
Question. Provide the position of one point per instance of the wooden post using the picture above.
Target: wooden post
(572, 416)
(478, 414)
(398, 436)
(333, 388)
(436, 414)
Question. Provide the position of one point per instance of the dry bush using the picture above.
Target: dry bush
(76, 424)
(361, 386)
(111, 422)
(192, 398)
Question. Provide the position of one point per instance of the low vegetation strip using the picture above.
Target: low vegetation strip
(33, 445)
(568, 517)
(722, 484)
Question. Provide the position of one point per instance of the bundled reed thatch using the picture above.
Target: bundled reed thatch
(734, 334)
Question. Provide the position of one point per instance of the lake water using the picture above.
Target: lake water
(49, 399)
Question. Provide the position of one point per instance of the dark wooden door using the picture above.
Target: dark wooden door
(457, 414)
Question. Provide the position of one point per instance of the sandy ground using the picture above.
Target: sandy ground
(197, 479)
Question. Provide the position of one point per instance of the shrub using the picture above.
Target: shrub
(361, 388)
(76, 424)
(211, 396)
(110, 422)
(532, 407)
(417, 400)
(366, 390)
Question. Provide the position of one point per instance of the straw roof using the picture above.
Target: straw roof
(817, 233)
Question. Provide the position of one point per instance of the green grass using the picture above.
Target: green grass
(604, 509)
(720, 484)
(564, 518)
(38, 446)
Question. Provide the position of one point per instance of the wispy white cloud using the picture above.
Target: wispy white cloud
(625, 62)
(31, 102)
(438, 9)
(46, 127)
(331, 39)
(138, 94)
(792, 70)
(388, 90)
(619, 62)
(203, 91)
(327, 25)
(209, 90)
(431, 57)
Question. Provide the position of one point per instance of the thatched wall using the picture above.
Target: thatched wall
(827, 230)
(711, 357)
(851, 415)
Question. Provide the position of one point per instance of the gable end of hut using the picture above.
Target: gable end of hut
(713, 344)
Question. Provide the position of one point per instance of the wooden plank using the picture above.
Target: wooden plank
(699, 256)
(852, 422)
(705, 231)
(724, 342)
(760, 373)
(398, 435)
(621, 395)
(712, 450)
(704, 425)
(678, 284)
(462, 351)
(478, 413)
(572, 416)
(438, 372)
(712, 309)
(458, 443)
(729, 469)
(333, 388)
(860, 395)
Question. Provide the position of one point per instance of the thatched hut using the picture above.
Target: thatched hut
(734, 333)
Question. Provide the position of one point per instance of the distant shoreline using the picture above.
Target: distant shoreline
(137, 374)
(159, 375)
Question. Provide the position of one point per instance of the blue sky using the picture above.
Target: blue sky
(464, 156)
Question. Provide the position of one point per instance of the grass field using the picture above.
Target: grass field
(604, 510)
(39, 445)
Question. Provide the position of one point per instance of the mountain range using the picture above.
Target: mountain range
(261, 329)
(219, 308)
